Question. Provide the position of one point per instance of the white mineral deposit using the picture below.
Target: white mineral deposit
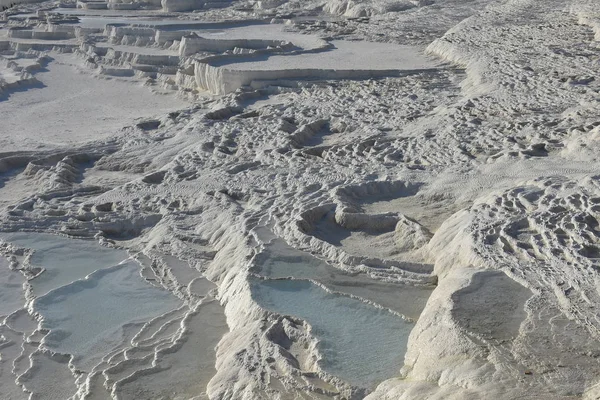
(283, 199)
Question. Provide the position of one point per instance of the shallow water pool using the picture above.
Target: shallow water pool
(64, 260)
(86, 317)
(360, 343)
(88, 294)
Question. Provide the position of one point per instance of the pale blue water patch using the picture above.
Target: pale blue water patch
(86, 317)
(360, 343)
(12, 295)
(279, 260)
(88, 294)
(64, 259)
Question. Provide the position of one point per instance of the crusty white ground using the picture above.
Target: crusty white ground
(476, 183)
(69, 106)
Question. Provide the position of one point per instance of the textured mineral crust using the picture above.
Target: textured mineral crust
(282, 199)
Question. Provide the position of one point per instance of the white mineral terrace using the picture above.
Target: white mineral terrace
(344, 55)
(317, 199)
(343, 60)
(225, 56)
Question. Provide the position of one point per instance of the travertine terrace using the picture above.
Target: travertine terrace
(327, 199)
